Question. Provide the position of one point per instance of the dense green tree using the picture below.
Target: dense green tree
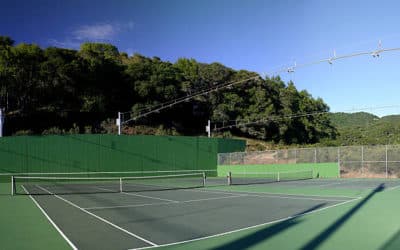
(25, 79)
(102, 72)
(189, 70)
(6, 44)
(55, 89)
(59, 71)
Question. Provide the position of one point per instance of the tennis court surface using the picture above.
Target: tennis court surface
(135, 213)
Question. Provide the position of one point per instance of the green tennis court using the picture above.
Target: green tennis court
(301, 214)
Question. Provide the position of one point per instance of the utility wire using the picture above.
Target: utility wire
(157, 108)
(246, 122)
(373, 53)
(169, 104)
(269, 119)
(347, 110)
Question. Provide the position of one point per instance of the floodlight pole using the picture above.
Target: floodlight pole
(208, 128)
(119, 123)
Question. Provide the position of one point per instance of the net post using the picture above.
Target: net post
(278, 179)
(12, 185)
(315, 156)
(229, 176)
(204, 179)
(120, 185)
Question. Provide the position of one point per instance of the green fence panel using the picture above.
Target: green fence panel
(111, 153)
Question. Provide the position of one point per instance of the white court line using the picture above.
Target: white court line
(281, 196)
(245, 228)
(358, 180)
(126, 206)
(268, 193)
(165, 203)
(51, 221)
(252, 194)
(393, 188)
(213, 198)
(99, 218)
(293, 198)
(138, 195)
(329, 184)
(341, 182)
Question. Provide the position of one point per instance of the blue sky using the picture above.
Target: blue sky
(256, 35)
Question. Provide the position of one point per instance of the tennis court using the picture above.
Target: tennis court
(104, 217)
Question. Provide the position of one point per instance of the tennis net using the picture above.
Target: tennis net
(245, 178)
(39, 185)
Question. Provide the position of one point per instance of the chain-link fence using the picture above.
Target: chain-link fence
(382, 161)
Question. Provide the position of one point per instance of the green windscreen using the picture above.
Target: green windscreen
(111, 153)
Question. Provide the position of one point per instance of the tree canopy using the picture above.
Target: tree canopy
(57, 90)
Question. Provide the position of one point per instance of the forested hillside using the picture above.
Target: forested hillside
(365, 129)
(358, 119)
(57, 90)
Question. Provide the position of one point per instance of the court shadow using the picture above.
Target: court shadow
(114, 148)
(319, 239)
(266, 233)
(71, 165)
(393, 243)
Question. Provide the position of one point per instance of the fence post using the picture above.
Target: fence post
(277, 155)
(386, 160)
(315, 155)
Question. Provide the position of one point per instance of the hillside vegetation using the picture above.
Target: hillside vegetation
(365, 129)
(56, 90)
(352, 129)
(348, 120)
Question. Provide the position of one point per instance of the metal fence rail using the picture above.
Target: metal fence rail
(381, 161)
